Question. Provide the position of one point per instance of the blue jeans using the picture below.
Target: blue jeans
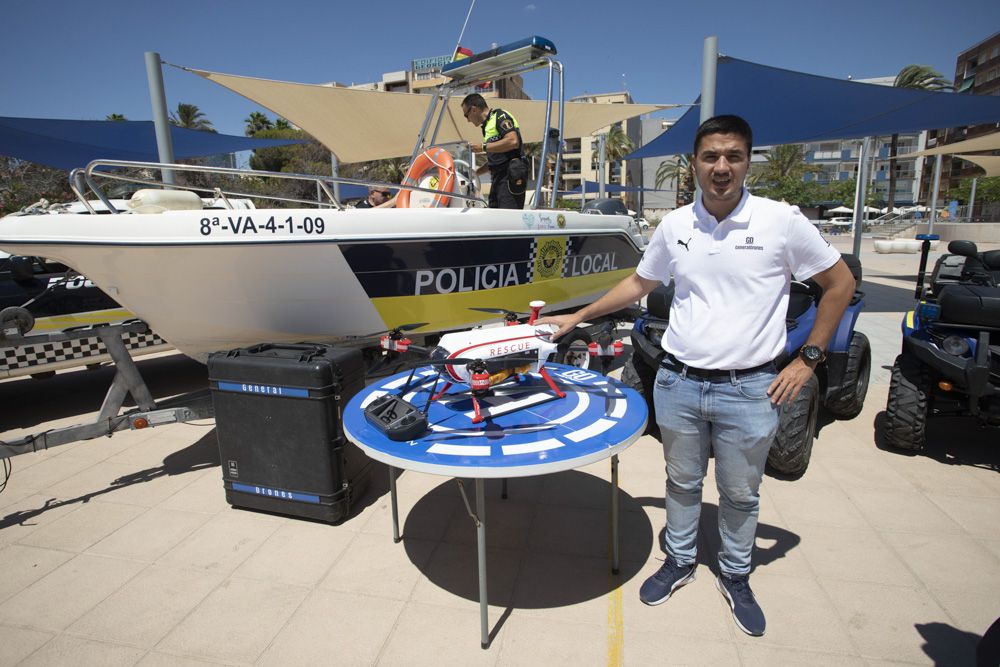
(735, 417)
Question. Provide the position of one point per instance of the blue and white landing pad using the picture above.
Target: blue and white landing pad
(528, 430)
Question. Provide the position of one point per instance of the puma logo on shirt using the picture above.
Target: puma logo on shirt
(685, 244)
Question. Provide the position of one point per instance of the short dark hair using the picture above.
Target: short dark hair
(474, 100)
(726, 124)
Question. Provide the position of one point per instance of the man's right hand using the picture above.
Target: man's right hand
(566, 323)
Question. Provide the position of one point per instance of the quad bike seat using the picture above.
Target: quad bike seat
(974, 305)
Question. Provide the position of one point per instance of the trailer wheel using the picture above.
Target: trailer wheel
(572, 350)
(849, 399)
(15, 317)
(640, 376)
(792, 446)
(906, 408)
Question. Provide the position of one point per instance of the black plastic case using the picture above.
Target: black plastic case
(278, 419)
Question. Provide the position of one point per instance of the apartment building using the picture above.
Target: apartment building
(977, 72)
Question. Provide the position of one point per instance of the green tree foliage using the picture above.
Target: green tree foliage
(784, 163)
(282, 124)
(987, 190)
(256, 122)
(24, 183)
(117, 117)
(190, 116)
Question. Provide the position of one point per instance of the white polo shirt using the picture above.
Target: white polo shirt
(732, 279)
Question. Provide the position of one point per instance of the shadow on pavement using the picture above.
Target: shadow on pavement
(951, 440)
(202, 454)
(946, 645)
(881, 298)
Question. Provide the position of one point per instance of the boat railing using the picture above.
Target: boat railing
(82, 180)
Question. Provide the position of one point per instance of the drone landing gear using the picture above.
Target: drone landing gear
(552, 385)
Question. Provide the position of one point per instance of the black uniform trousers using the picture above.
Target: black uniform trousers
(500, 194)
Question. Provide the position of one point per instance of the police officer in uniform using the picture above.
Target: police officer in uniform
(502, 145)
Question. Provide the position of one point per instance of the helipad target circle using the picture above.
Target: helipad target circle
(529, 431)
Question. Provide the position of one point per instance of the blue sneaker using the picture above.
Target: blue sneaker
(746, 612)
(671, 576)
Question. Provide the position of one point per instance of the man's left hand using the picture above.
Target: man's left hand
(477, 148)
(789, 382)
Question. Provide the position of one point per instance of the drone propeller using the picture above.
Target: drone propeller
(498, 311)
(509, 316)
(395, 331)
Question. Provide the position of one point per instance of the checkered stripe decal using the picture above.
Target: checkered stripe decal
(533, 252)
(27, 356)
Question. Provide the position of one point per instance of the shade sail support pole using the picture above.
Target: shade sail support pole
(335, 172)
(158, 101)
(972, 197)
(934, 195)
(860, 193)
(709, 72)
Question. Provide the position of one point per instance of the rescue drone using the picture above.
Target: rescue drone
(481, 358)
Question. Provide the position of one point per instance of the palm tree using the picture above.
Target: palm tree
(616, 146)
(677, 172)
(115, 117)
(282, 124)
(918, 77)
(190, 116)
(256, 122)
(786, 162)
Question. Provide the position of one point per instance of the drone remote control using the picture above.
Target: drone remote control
(399, 420)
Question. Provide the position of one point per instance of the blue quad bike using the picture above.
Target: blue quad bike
(950, 358)
(840, 382)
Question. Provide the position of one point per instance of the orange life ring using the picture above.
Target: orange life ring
(432, 159)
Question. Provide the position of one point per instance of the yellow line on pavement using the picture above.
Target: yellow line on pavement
(616, 626)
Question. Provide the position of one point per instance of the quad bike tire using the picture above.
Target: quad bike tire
(572, 350)
(792, 447)
(848, 401)
(907, 407)
(640, 376)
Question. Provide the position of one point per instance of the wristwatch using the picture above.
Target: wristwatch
(812, 354)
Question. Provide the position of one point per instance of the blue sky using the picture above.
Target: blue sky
(84, 60)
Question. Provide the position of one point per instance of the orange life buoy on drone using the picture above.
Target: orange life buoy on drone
(436, 160)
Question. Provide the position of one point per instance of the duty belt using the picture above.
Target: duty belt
(671, 363)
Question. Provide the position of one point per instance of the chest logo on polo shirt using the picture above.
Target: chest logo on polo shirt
(749, 245)
(685, 244)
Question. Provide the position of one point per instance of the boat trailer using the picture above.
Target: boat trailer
(127, 381)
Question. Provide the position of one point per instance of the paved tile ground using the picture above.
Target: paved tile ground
(123, 551)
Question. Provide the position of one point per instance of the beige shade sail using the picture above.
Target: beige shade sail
(359, 125)
(991, 163)
(989, 142)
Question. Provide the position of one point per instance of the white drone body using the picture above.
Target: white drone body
(493, 345)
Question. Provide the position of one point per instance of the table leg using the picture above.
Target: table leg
(481, 544)
(395, 508)
(614, 514)
(503, 489)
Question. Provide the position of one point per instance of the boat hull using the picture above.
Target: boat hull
(365, 272)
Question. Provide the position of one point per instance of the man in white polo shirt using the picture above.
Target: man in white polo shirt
(731, 256)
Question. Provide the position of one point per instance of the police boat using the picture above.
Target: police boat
(208, 280)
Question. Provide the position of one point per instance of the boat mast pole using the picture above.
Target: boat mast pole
(158, 100)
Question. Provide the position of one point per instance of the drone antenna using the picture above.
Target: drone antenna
(408, 381)
(430, 396)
